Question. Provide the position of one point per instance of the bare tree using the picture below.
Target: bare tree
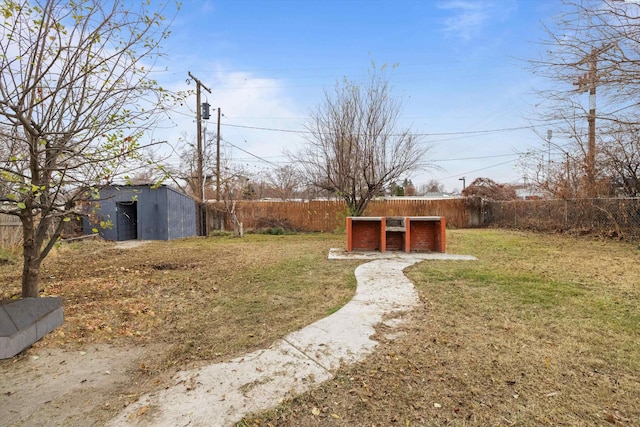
(489, 189)
(433, 186)
(185, 174)
(355, 147)
(592, 48)
(621, 160)
(75, 99)
(409, 188)
(284, 182)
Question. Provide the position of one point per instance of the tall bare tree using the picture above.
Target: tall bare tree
(621, 159)
(355, 146)
(592, 62)
(284, 182)
(76, 97)
(433, 186)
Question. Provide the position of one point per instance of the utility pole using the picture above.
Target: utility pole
(200, 218)
(591, 164)
(218, 159)
(588, 82)
(549, 135)
(568, 172)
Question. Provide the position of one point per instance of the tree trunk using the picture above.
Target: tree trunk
(31, 259)
(352, 206)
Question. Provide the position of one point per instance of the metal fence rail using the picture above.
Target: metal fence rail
(616, 218)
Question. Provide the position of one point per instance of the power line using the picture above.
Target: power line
(478, 170)
(434, 160)
(478, 157)
(474, 132)
(251, 154)
(267, 129)
(403, 69)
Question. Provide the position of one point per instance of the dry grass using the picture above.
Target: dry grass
(542, 330)
(191, 300)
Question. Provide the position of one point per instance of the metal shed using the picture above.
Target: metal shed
(142, 212)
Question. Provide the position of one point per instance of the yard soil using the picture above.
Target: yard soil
(66, 387)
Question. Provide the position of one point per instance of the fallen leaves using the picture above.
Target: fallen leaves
(317, 412)
(140, 412)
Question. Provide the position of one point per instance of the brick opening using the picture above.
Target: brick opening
(409, 234)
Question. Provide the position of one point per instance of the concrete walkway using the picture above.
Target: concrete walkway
(221, 394)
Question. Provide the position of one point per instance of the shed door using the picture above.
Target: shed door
(127, 220)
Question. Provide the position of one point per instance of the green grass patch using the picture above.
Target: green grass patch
(588, 289)
(541, 330)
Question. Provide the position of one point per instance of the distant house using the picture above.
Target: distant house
(530, 192)
(144, 212)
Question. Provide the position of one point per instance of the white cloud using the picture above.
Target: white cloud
(245, 100)
(207, 7)
(469, 17)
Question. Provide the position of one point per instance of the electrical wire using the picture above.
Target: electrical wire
(249, 153)
(432, 161)
(474, 132)
(478, 170)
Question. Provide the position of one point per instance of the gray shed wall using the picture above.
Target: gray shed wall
(161, 213)
(181, 215)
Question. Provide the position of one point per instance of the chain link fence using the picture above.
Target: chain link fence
(613, 218)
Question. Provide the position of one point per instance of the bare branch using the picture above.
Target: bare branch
(355, 148)
(76, 97)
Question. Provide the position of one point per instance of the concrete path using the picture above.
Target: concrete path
(221, 394)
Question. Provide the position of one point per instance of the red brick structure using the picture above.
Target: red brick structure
(408, 234)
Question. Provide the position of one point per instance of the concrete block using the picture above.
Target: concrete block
(25, 321)
(49, 322)
(7, 327)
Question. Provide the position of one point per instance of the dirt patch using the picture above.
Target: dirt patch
(66, 387)
(130, 244)
(4, 261)
(166, 266)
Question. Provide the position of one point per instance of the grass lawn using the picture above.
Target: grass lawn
(204, 299)
(183, 303)
(542, 330)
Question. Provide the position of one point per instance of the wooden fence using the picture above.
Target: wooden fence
(618, 218)
(10, 231)
(331, 215)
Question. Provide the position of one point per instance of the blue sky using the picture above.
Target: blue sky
(461, 72)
